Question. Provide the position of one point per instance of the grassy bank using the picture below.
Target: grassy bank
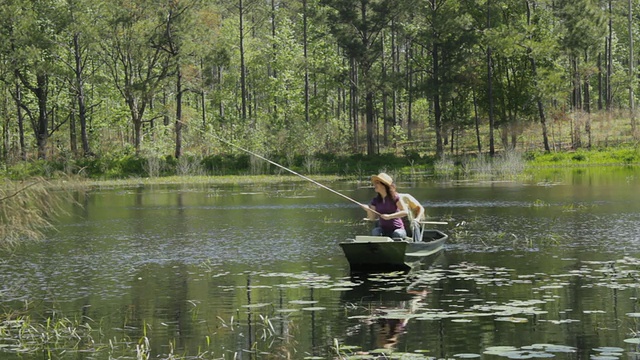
(243, 169)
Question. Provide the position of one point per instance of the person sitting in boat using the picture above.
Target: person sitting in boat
(415, 214)
(387, 208)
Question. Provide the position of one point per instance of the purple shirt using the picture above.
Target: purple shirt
(388, 206)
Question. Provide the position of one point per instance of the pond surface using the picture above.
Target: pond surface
(548, 267)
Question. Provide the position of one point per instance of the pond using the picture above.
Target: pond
(547, 267)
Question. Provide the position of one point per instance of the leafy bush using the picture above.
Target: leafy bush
(579, 157)
(530, 155)
(627, 156)
(226, 164)
(43, 168)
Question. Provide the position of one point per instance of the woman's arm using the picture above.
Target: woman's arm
(401, 212)
(370, 214)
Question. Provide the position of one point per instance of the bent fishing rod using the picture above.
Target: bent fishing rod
(309, 179)
(289, 170)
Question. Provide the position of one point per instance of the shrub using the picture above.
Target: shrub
(579, 157)
(227, 164)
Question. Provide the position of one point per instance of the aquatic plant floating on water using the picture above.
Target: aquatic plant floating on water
(529, 352)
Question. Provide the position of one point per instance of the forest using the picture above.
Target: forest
(177, 80)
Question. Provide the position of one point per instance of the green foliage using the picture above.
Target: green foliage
(226, 164)
(627, 155)
(131, 54)
(579, 157)
(37, 168)
(505, 164)
(597, 156)
(112, 167)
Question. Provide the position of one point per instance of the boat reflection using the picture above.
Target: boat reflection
(381, 306)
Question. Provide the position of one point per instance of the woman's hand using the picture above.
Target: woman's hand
(371, 215)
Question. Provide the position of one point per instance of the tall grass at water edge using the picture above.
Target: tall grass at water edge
(513, 163)
(507, 164)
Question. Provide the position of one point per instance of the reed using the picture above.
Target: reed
(24, 209)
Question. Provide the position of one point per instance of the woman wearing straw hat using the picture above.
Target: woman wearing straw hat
(387, 207)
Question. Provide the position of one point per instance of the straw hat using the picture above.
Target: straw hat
(383, 178)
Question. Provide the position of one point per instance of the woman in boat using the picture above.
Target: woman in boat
(387, 207)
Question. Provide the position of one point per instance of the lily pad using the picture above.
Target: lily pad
(303, 302)
(499, 349)
(254, 306)
(515, 320)
(559, 348)
(466, 356)
(609, 349)
(286, 310)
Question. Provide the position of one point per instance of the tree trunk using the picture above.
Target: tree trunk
(534, 71)
(203, 97)
(136, 119)
(179, 124)
(395, 69)
(306, 60)
(610, 59)
(40, 125)
(73, 138)
(477, 122)
(371, 150)
(409, 76)
(385, 97)
(243, 70)
(600, 89)
(353, 103)
(492, 148)
(437, 111)
(42, 128)
(81, 100)
(23, 148)
(5, 129)
(632, 105)
(587, 109)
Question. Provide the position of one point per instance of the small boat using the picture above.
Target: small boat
(384, 254)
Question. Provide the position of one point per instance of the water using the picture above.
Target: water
(544, 267)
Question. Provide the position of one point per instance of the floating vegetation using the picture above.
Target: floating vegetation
(455, 298)
(467, 356)
(610, 352)
(511, 319)
(314, 308)
(256, 306)
(540, 203)
(303, 302)
(529, 352)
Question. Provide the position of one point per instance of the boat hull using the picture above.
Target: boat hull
(383, 254)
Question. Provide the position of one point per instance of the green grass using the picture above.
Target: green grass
(604, 156)
(137, 170)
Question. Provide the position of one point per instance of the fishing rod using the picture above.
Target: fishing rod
(311, 180)
(291, 171)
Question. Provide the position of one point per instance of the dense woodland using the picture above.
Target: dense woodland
(150, 78)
